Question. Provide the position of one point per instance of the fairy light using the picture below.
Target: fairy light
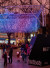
(27, 22)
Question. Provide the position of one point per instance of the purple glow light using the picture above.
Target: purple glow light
(26, 22)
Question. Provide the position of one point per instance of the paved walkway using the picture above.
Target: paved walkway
(16, 64)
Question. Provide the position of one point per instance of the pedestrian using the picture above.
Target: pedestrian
(22, 54)
(28, 51)
(25, 56)
(5, 58)
(18, 56)
(4, 48)
(26, 46)
(10, 54)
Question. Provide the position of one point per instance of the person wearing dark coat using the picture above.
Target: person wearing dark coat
(10, 55)
(5, 58)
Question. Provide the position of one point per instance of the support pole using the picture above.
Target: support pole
(43, 22)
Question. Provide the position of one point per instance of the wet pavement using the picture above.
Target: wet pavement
(16, 64)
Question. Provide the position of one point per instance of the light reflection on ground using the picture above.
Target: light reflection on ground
(16, 64)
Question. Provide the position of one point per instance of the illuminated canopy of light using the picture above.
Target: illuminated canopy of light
(20, 22)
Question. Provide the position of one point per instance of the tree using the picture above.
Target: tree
(26, 36)
(9, 37)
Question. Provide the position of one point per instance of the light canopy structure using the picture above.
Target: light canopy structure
(27, 21)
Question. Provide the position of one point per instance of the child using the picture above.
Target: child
(18, 55)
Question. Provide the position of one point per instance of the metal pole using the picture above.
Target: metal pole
(49, 6)
(42, 16)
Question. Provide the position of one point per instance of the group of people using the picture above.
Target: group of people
(25, 51)
(8, 55)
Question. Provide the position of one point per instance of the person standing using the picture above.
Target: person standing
(25, 56)
(3, 49)
(5, 58)
(18, 56)
(22, 54)
(28, 51)
(10, 54)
